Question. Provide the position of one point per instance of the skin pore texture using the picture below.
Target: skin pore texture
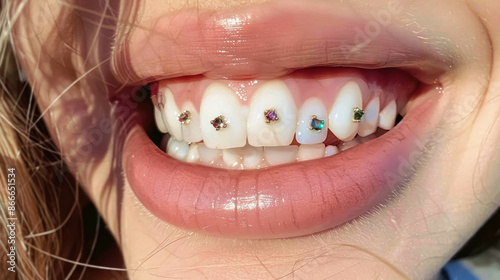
(79, 55)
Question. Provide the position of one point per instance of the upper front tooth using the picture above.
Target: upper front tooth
(387, 117)
(306, 135)
(369, 121)
(191, 132)
(272, 95)
(171, 114)
(220, 100)
(342, 112)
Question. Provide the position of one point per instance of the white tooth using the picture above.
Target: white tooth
(191, 132)
(331, 150)
(369, 121)
(232, 157)
(160, 124)
(253, 157)
(272, 95)
(387, 117)
(304, 135)
(280, 155)
(349, 144)
(171, 114)
(177, 149)
(341, 115)
(221, 100)
(208, 155)
(311, 151)
(193, 155)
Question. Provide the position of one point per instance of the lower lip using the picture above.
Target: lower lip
(283, 201)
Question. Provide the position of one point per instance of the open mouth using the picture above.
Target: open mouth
(255, 151)
(255, 124)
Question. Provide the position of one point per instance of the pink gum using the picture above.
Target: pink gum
(323, 83)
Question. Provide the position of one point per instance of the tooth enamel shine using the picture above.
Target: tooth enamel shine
(223, 123)
(341, 115)
(312, 123)
(276, 95)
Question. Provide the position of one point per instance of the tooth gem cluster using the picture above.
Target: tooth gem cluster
(271, 115)
(185, 117)
(219, 122)
(358, 113)
(316, 124)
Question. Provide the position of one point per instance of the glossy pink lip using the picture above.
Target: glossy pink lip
(268, 41)
(283, 201)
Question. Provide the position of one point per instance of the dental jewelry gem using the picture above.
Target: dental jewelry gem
(316, 124)
(358, 113)
(271, 115)
(184, 117)
(219, 122)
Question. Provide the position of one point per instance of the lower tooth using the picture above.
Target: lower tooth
(280, 155)
(253, 157)
(331, 150)
(209, 156)
(311, 151)
(177, 149)
(349, 144)
(232, 157)
(193, 155)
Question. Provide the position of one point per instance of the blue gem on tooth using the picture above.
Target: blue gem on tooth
(316, 124)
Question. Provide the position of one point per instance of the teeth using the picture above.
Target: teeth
(280, 155)
(160, 124)
(232, 158)
(347, 145)
(220, 100)
(341, 115)
(387, 117)
(177, 149)
(217, 135)
(193, 155)
(305, 135)
(311, 151)
(369, 121)
(331, 150)
(207, 155)
(191, 132)
(272, 95)
(171, 114)
(253, 157)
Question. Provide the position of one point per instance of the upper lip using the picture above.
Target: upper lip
(267, 41)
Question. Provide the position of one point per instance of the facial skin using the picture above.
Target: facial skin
(452, 191)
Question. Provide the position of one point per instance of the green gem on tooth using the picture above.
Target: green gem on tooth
(358, 113)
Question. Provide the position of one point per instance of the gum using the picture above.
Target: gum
(324, 83)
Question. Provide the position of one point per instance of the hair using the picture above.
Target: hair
(42, 219)
(28, 155)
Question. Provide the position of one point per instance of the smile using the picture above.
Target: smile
(280, 134)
